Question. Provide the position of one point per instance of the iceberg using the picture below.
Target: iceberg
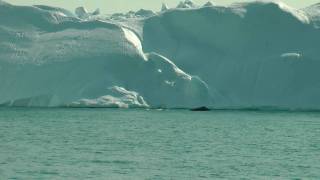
(253, 55)
(313, 13)
(186, 4)
(51, 60)
(208, 4)
(247, 55)
(82, 12)
(96, 12)
(61, 11)
(144, 13)
(164, 7)
(140, 14)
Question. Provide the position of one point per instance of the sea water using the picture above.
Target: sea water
(158, 144)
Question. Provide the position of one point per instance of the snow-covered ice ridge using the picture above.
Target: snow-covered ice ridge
(247, 55)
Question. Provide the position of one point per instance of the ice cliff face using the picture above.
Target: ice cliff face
(248, 55)
(253, 54)
(50, 59)
(313, 13)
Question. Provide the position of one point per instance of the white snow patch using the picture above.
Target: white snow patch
(170, 83)
(134, 40)
(120, 98)
(299, 14)
(291, 55)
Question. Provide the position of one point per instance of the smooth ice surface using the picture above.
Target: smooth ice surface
(50, 59)
(140, 144)
(248, 55)
(258, 54)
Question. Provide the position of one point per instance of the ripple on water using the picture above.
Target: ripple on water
(139, 144)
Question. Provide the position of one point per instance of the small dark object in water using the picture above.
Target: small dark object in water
(201, 109)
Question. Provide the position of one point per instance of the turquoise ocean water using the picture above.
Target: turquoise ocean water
(153, 144)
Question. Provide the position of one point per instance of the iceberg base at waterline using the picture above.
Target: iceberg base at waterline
(247, 55)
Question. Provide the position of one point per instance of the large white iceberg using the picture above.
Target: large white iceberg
(247, 55)
(259, 54)
(48, 59)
